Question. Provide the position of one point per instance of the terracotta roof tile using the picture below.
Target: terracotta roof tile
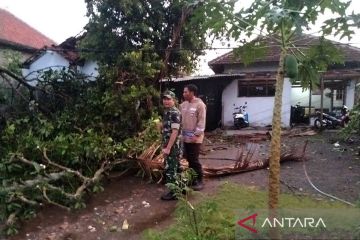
(14, 30)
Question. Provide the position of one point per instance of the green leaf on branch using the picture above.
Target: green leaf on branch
(37, 166)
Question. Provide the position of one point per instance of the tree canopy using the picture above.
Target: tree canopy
(78, 130)
(116, 28)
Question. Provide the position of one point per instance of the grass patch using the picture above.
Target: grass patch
(216, 216)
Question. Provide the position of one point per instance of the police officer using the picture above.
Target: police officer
(170, 140)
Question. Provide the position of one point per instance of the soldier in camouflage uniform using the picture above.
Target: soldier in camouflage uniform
(170, 140)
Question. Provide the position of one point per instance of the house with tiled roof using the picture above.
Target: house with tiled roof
(66, 55)
(38, 52)
(16, 35)
(235, 84)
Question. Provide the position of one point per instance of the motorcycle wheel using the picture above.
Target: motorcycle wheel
(318, 125)
(335, 125)
(242, 123)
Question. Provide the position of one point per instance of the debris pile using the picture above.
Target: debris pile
(246, 160)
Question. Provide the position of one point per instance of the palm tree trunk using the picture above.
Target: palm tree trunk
(274, 173)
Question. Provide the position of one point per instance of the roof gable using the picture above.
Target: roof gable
(67, 49)
(15, 31)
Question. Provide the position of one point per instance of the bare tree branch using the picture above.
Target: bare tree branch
(186, 11)
(94, 179)
(69, 170)
(27, 201)
(52, 202)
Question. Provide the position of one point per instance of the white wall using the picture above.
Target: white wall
(90, 69)
(260, 109)
(297, 95)
(286, 103)
(48, 60)
(350, 94)
(53, 60)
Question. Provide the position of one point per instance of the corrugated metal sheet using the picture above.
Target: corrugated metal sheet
(204, 77)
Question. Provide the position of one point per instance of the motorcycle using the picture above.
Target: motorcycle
(241, 117)
(297, 115)
(332, 122)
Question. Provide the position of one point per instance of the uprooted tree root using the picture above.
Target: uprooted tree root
(246, 160)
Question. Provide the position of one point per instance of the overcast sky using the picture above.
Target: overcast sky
(60, 19)
(57, 19)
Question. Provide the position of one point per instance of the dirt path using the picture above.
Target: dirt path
(105, 214)
(333, 170)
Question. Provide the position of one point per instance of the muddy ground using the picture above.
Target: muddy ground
(334, 170)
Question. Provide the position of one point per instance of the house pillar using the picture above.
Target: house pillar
(331, 99)
(345, 92)
(350, 90)
(310, 93)
(321, 98)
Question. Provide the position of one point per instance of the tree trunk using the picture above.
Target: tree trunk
(176, 35)
(274, 173)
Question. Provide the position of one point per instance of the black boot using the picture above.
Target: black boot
(197, 185)
(168, 196)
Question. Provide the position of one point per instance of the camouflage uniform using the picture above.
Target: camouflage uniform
(171, 120)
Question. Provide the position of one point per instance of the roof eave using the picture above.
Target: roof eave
(17, 46)
(36, 55)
